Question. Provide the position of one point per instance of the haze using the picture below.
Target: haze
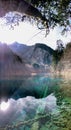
(29, 34)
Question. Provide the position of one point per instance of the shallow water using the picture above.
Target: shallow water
(35, 103)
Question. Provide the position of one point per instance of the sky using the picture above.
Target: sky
(29, 34)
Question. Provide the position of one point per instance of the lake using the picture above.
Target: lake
(35, 103)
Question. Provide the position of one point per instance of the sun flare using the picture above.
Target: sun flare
(4, 106)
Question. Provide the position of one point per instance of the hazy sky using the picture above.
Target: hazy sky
(29, 34)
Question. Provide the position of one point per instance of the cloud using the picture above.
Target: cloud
(23, 108)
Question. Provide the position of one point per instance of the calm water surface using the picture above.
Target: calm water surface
(35, 103)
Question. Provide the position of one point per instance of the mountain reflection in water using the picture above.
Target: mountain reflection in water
(32, 97)
(36, 86)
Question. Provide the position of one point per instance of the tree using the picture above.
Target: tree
(60, 46)
(58, 53)
(19, 7)
(51, 12)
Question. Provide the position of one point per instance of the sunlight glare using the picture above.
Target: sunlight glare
(29, 34)
(4, 106)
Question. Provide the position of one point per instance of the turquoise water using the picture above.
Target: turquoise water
(35, 103)
(37, 86)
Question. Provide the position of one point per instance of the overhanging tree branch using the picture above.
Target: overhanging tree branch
(20, 6)
(49, 12)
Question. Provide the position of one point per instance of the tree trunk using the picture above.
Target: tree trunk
(20, 6)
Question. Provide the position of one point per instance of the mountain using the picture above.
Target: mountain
(10, 63)
(19, 60)
(42, 54)
(39, 53)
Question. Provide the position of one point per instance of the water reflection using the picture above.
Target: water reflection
(4, 106)
(38, 87)
(35, 97)
(25, 108)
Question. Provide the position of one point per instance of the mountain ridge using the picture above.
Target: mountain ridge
(11, 64)
(32, 52)
(21, 60)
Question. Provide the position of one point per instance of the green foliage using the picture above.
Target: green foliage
(47, 13)
(58, 119)
(57, 56)
(55, 11)
(35, 126)
(58, 53)
(54, 121)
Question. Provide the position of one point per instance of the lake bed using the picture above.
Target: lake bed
(35, 103)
